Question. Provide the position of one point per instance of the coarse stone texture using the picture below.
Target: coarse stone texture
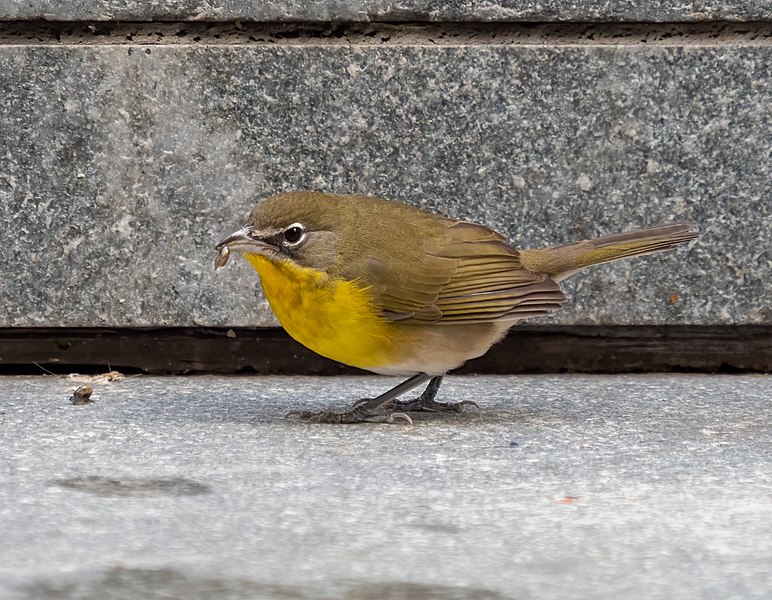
(121, 167)
(386, 10)
(642, 487)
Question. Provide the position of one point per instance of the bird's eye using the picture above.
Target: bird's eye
(294, 234)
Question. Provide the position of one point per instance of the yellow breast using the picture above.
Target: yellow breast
(335, 318)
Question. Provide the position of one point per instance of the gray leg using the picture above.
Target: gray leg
(427, 402)
(369, 410)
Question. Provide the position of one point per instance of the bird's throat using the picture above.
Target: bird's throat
(336, 318)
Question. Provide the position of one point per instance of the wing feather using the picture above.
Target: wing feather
(448, 272)
(489, 281)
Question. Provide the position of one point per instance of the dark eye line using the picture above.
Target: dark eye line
(279, 241)
(276, 240)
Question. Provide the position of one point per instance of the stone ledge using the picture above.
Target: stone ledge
(121, 166)
(385, 10)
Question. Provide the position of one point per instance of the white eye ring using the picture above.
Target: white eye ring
(294, 235)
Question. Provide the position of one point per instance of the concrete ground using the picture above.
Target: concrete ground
(644, 486)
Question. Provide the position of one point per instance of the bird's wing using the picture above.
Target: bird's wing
(465, 273)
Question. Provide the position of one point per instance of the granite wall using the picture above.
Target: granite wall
(388, 10)
(122, 162)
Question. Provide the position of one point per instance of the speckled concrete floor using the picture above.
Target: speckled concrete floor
(650, 486)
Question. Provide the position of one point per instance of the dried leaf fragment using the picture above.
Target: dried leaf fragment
(82, 395)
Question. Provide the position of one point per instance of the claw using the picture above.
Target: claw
(398, 415)
(423, 404)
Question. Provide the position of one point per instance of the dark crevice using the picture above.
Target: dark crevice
(99, 33)
(576, 349)
(53, 368)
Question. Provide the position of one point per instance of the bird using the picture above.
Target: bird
(396, 290)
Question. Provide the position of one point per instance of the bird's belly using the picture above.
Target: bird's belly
(437, 348)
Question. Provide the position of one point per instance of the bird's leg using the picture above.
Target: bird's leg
(369, 410)
(427, 402)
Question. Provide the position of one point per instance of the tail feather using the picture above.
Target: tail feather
(560, 262)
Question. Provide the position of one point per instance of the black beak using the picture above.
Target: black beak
(244, 241)
(242, 237)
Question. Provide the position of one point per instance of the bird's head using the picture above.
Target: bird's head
(299, 227)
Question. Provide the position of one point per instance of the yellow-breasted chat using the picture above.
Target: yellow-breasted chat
(390, 288)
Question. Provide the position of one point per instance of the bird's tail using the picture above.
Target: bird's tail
(560, 262)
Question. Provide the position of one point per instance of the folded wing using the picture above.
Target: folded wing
(466, 274)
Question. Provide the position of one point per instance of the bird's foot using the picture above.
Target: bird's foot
(358, 413)
(426, 401)
(431, 405)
